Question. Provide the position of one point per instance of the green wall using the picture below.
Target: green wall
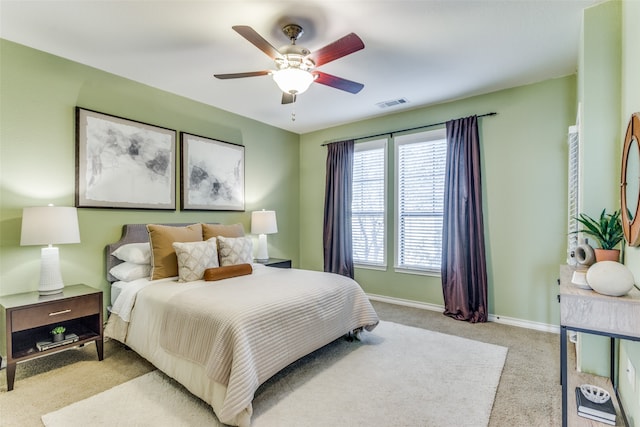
(524, 163)
(630, 103)
(599, 95)
(37, 152)
(600, 99)
(609, 91)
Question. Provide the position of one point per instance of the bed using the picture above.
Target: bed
(222, 338)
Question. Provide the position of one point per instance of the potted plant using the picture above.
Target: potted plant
(607, 231)
(58, 333)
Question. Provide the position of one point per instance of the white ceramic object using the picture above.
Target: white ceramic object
(610, 278)
(585, 255)
(595, 393)
(579, 279)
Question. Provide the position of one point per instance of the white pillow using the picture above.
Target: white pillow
(128, 271)
(137, 253)
(235, 250)
(194, 258)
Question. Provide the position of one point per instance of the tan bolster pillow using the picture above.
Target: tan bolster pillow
(219, 273)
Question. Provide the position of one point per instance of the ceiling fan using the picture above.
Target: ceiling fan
(296, 65)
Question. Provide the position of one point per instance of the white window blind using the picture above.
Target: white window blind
(368, 203)
(573, 193)
(420, 174)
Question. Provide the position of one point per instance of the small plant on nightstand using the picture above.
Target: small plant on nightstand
(58, 333)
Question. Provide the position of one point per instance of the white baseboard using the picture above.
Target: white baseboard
(406, 302)
(544, 327)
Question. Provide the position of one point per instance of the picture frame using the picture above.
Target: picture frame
(212, 174)
(123, 164)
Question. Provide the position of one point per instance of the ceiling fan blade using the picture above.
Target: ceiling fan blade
(241, 75)
(288, 98)
(339, 48)
(337, 82)
(257, 40)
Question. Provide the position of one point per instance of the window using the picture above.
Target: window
(419, 200)
(368, 203)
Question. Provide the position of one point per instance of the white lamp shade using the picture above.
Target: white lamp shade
(293, 80)
(263, 222)
(47, 225)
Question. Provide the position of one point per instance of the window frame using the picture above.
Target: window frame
(574, 199)
(417, 137)
(375, 144)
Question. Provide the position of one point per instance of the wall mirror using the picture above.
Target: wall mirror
(630, 182)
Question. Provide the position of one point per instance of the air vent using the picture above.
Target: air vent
(392, 103)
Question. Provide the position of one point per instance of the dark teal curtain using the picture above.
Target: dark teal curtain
(338, 253)
(464, 271)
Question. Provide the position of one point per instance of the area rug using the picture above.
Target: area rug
(395, 376)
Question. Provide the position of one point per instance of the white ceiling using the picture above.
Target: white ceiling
(426, 51)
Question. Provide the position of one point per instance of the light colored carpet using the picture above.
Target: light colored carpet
(397, 375)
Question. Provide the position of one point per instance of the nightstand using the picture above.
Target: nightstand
(27, 319)
(276, 262)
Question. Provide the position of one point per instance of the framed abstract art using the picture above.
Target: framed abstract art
(212, 175)
(122, 163)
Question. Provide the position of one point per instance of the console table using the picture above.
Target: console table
(584, 310)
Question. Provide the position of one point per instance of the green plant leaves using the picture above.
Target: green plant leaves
(607, 230)
(58, 330)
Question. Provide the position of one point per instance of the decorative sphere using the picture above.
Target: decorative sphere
(610, 278)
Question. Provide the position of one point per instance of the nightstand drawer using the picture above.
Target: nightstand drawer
(54, 312)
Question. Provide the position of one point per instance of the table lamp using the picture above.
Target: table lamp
(263, 223)
(49, 225)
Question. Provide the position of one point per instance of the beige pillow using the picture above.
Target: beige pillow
(215, 230)
(194, 258)
(164, 262)
(235, 250)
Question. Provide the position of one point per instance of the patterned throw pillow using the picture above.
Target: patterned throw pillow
(194, 258)
(235, 250)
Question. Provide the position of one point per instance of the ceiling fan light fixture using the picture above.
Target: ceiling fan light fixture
(293, 80)
(296, 65)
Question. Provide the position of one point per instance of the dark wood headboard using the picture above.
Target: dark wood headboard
(131, 233)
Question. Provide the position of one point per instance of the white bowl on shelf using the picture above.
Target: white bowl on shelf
(595, 393)
(579, 279)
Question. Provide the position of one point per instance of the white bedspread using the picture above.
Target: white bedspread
(254, 333)
(123, 304)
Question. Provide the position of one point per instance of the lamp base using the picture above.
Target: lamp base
(50, 276)
(263, 251)
(45, 292)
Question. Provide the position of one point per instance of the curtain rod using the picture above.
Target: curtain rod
(405, 130)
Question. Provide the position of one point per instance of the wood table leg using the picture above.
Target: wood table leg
(11, 375)
(563, 372)
(100, 348)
